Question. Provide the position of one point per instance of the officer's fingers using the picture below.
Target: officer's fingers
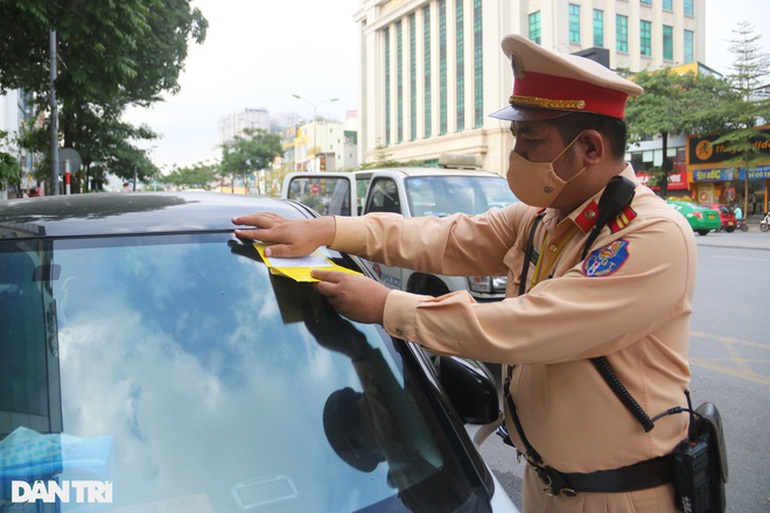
(328, 276)
(283, 250)
(258, 219)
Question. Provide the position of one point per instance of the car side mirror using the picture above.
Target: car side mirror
(471, 389)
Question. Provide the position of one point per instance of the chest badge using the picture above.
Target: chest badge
(607, 260)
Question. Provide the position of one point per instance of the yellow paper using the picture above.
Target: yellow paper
(298, 269)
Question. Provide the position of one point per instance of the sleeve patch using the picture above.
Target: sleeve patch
(607, 260)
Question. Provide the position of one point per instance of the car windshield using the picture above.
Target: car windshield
(444, 195)
(176, 373)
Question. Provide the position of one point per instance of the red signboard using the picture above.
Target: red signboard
(677, 181)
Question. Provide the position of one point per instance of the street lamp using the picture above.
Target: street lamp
(315, 109)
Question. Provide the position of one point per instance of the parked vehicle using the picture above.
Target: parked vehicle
(411, 192)
(701, 219)
(764, 224)
(726, 216)
(150, 360)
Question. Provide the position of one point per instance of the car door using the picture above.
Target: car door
(384, 197)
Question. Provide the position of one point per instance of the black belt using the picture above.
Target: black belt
(640, 476)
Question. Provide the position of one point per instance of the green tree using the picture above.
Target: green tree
(110, 54)
(197, 176)
(745, 111)
(673, 104)
(382, 160)
(252, 152)
(9, 165)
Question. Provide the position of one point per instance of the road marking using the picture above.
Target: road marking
(742, 371)
(731, 371)
(730, 340)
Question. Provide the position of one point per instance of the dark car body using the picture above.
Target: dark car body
(726, 216)
(149, 361)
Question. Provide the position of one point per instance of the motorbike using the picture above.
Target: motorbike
(742, 225)
(764, 224)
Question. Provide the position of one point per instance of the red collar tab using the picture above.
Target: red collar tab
(623, 219)
(587, 218)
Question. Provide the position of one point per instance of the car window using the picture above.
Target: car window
(445, 195)
(383, 196)
(153, 371)
(326, 195)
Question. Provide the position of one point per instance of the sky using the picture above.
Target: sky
(259, 53)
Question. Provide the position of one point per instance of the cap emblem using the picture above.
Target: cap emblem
(518, 66)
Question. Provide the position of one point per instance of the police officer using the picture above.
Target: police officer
(580, 287)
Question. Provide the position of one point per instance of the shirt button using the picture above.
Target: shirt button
(553, 248)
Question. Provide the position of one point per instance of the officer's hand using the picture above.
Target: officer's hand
(290, 237)
(356, 297)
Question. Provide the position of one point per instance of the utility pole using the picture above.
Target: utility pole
(315, 124)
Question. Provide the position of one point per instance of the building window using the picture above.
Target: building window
(534, 27)
(399, 82)
(668, 5)
(386, 38)
(645, 38)
(427, 86)
(646, 2)
(478, 66)
(598, 27)
(574, 23)
(460, 70)
(621, 32)
(668, 43)
(689, 38)
(442, 68)
(689, 7)
(412, 77)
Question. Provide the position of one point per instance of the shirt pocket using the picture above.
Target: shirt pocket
(514, 260)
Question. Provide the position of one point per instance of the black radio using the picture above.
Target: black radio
(692, 477)
(700, 463)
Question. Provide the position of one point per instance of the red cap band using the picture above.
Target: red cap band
(559, 93)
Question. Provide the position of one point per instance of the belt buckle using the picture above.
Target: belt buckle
(549, 490)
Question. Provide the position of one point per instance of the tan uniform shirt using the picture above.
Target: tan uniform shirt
(630, 300)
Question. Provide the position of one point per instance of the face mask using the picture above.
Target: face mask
(536, 183)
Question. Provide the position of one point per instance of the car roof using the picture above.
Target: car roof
(435, 171)
(103, 214)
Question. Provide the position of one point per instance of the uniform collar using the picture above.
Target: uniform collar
(584, 216)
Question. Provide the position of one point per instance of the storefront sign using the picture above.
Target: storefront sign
(760, 173)
(701, 151)
(676, 181)
(713, 175)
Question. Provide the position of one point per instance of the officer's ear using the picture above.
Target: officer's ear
(593, 146)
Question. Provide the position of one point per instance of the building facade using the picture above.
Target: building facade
(15, 117)
(235, 123)
(432, 70)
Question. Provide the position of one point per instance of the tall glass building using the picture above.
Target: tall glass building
(432, 70)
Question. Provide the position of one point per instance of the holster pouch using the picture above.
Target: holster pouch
(700, 465)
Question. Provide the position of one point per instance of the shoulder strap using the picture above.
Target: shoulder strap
(528, 253)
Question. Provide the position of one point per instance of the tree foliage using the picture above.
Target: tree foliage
(675, 103)
(382, 160)
(252, 152)
(9, 165)
(739, 135)
(111, 55)
(197, 176)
